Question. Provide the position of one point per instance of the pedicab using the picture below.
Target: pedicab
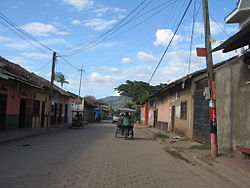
(77, 119)
(128, 129)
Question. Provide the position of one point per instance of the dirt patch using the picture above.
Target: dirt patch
(177, 155)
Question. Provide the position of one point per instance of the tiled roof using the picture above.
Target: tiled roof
(189, 76)
(16, 72)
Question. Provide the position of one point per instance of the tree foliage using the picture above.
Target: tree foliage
(137, 90)
(59, 77)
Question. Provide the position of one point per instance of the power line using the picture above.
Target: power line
(42, 67)
(106, 32)
(16, 27)
(14, 31)
(192, 35)
(179, 24)
(141, 22)
(112, 31)
(67, 62)
(223, 30)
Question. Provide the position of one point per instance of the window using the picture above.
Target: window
(184, 110)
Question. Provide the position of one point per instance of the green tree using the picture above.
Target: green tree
(59, 77)
(137, 90)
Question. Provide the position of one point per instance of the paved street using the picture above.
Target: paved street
(93, 157)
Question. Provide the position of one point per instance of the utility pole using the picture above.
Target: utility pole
(211, 82)
(53, 68)
(81, 70)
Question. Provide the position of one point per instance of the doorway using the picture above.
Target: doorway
(66, 114)
(172, 118)
(43, 114)
(22, 113)
(155, 118)
(3, 106)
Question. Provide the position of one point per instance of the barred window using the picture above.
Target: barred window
(184, 110)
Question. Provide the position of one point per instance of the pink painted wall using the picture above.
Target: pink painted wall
(163, 108)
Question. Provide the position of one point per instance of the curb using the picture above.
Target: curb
(207, 167)
(47, 131)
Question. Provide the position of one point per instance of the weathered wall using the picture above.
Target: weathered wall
(143, 111)
(163, 108)
(233, 104)
(15, 91)
(183, 126)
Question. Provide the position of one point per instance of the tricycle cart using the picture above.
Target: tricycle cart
(77, 119)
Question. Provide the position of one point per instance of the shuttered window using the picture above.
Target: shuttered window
(184, 110)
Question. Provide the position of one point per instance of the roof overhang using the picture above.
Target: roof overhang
(240, 13)
(238, 40)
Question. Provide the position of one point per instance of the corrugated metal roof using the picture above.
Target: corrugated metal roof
(238, 40)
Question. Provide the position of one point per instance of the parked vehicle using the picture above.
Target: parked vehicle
(116, 118)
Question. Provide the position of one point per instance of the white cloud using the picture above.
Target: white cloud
(108, 9)
(126, 60)
(215, 28)
(98, 24)
(116, 94)
(18, 45)
(5, 39)
(163, 37)
(36, 55)
(79, 4)
(104, 79)
(76, 22)
(41, 29)
(108, 69)
(16, 59)
(143, 56)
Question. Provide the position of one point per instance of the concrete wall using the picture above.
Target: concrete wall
(233, 104)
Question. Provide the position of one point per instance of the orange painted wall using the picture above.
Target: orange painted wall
(15, 91)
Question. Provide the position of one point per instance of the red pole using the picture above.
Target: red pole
(211, 81)
(146, 114)
(213, 119)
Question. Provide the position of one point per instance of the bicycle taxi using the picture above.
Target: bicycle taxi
(77, 119)
(125, 126)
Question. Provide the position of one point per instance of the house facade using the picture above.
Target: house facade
(233, 84)
(29, 101)
(181, 108)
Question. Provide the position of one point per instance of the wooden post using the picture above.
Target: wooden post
(211, 82)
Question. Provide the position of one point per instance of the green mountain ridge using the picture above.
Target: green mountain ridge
(116, 101)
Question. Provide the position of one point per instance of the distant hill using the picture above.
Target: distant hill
(115, 101)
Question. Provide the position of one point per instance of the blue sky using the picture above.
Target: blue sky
(80, 31)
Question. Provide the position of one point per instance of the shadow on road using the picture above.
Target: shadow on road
(136, 138)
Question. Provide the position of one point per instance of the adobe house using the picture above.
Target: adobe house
(28, 100)
(233, 85)
(149, 112)
(90, 104)
(23, 99)
(58, 105)
(181, 106)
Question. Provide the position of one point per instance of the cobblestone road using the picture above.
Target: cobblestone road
(93, 157)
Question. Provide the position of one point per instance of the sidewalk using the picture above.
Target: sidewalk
(11, 135)
(195, 152)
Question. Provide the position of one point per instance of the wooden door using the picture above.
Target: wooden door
(3, 106)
